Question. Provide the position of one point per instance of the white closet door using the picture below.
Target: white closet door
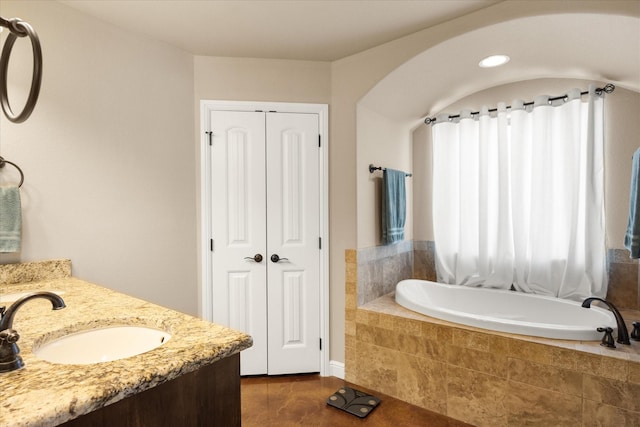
(293, 228)
(239, 233)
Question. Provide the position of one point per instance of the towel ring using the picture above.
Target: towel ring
(18, 28)
(2, 163)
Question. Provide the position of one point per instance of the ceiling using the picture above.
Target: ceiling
(317, 30)
(572, 46)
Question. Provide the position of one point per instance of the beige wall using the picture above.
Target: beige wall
(386, 143)
(249, 79)
(422, 169)
(622, 109)
(108, 156)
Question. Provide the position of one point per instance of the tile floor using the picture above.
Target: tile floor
(300, 400)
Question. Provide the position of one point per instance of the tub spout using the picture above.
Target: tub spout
(10, 359)
(623, 333)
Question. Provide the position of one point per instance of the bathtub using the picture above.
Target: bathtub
(504, 310)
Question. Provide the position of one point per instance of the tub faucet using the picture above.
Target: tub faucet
(10, 359)
(623, 333)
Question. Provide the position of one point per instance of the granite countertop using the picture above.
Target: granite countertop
(47, 394)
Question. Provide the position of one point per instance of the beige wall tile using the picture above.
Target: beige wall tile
(617, 393)
(351, 288)
(499, 345)
(530, 351)
(350, 314)
(422, 382)
(351, 272)
(476, 398)
(376, 368)
(599, 414)
(408, 326)
(544, 376)
(529, 405)
(615, 369)
(481, 361)
(589, 363)
(351, 256)
(350, 344)
(623, 284)
(350, 301)
(362, 317)
(470, 339)
(564, 358)
(409, 344)
(350, 328)
(386, 322)
(373, 318)
(634, 373)
(378, 336)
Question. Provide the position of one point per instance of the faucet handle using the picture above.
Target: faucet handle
(607, 339)
(635, 333)
(10, 359)
(11, 336)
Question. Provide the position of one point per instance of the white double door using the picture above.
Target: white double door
(265, 224)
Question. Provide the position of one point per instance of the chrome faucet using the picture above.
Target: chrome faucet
(623, 333)
(10, 359)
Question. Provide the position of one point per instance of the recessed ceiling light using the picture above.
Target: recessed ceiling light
(494, 61)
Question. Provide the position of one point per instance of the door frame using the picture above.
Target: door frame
(206, 264)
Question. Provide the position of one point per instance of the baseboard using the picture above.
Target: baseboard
(336, 369)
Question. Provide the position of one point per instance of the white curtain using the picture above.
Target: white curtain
(518, 197)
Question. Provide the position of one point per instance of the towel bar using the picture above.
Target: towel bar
(2, 163)
(373, 168)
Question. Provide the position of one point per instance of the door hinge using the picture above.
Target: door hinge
(320, 343)
(320, 243)
(319, 141)
(211, 244)
(210, 137)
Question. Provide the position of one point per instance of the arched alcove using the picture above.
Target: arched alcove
(544, 48)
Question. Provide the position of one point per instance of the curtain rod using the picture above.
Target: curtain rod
(608, 88)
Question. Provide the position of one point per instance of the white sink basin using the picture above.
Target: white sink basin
(4, 298)
(102, 345)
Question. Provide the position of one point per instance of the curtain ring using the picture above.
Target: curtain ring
(20, 29)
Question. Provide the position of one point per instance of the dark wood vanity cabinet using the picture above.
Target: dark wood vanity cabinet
(207, 397)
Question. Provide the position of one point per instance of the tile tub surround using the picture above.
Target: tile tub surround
(42, 393)
(624, 273)
(487, 378)
(380, 268)
(624, 279)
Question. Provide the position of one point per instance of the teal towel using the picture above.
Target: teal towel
(10, 219)
(394, 206)
(632, 237)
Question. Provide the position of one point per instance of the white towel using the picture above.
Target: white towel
(10, 219)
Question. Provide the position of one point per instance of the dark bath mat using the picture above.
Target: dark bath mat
(353, 401)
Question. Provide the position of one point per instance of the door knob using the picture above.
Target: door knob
(276, 258)
(256, 257)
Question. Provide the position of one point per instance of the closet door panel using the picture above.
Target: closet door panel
(238, 227)
(293, 235)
